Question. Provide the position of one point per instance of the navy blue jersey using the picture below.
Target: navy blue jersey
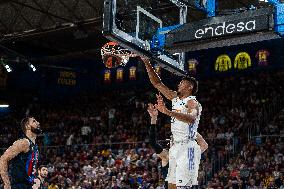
(22, 168)
(153, 143)
(158, 149)
(164, 171)
(43, 184)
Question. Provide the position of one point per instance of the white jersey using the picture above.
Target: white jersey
(181, 130)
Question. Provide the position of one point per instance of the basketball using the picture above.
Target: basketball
(114, 55)
(112, 61)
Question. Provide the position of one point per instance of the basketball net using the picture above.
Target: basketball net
(114, 55)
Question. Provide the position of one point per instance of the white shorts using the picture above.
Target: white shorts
(184, 160)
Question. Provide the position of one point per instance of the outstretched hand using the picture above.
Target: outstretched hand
(161, 104)
(153, 112)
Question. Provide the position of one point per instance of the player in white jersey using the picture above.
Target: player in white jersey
(185, 153)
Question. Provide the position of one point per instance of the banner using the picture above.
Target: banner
(119, 74)
(132, 73)
(223, 63)
(242, 61)
(192, 63)
(222, 26)
(67, 78)
(107, 76)
(262, 57)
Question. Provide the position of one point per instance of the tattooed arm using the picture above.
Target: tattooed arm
(19, 146)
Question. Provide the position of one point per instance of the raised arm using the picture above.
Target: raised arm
(201, 142)
(18, 147)
(156, 81)
(153, 112)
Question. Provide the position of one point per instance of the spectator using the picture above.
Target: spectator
(251, 184)
(119, 155)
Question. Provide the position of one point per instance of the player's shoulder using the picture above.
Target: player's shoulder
(175, 98)
(191, 99)
(22, 143)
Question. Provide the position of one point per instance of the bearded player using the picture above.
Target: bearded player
(185, 153)
(19, 161)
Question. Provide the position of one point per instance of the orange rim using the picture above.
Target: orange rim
(111, 43)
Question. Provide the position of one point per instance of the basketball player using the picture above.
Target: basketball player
(21, 157)
(161, 153)
(164, 153)
(185, 153)
(39, 182)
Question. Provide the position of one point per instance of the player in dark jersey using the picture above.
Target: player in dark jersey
(40, 182)
(161, 152)
(19, 161)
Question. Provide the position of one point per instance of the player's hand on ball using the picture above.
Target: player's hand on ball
(153, 112)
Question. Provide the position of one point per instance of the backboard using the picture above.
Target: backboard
(134, 23)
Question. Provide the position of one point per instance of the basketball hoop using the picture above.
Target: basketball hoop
(114, 55)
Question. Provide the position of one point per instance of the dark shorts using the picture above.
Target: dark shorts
(21, 186)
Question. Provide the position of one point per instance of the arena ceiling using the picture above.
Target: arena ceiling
(66, 28)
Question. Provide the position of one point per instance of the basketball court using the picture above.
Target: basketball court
(76, 67)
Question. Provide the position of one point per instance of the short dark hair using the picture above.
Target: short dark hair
(193, 81)
(41, 166)
(24, 123)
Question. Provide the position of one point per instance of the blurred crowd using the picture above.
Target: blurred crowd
(258, 166)
(101, 140)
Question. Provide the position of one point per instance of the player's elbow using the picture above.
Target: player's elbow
(204, 146)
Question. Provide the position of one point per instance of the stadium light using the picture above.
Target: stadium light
(4, 105)
(8, 68)
(32, 67)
